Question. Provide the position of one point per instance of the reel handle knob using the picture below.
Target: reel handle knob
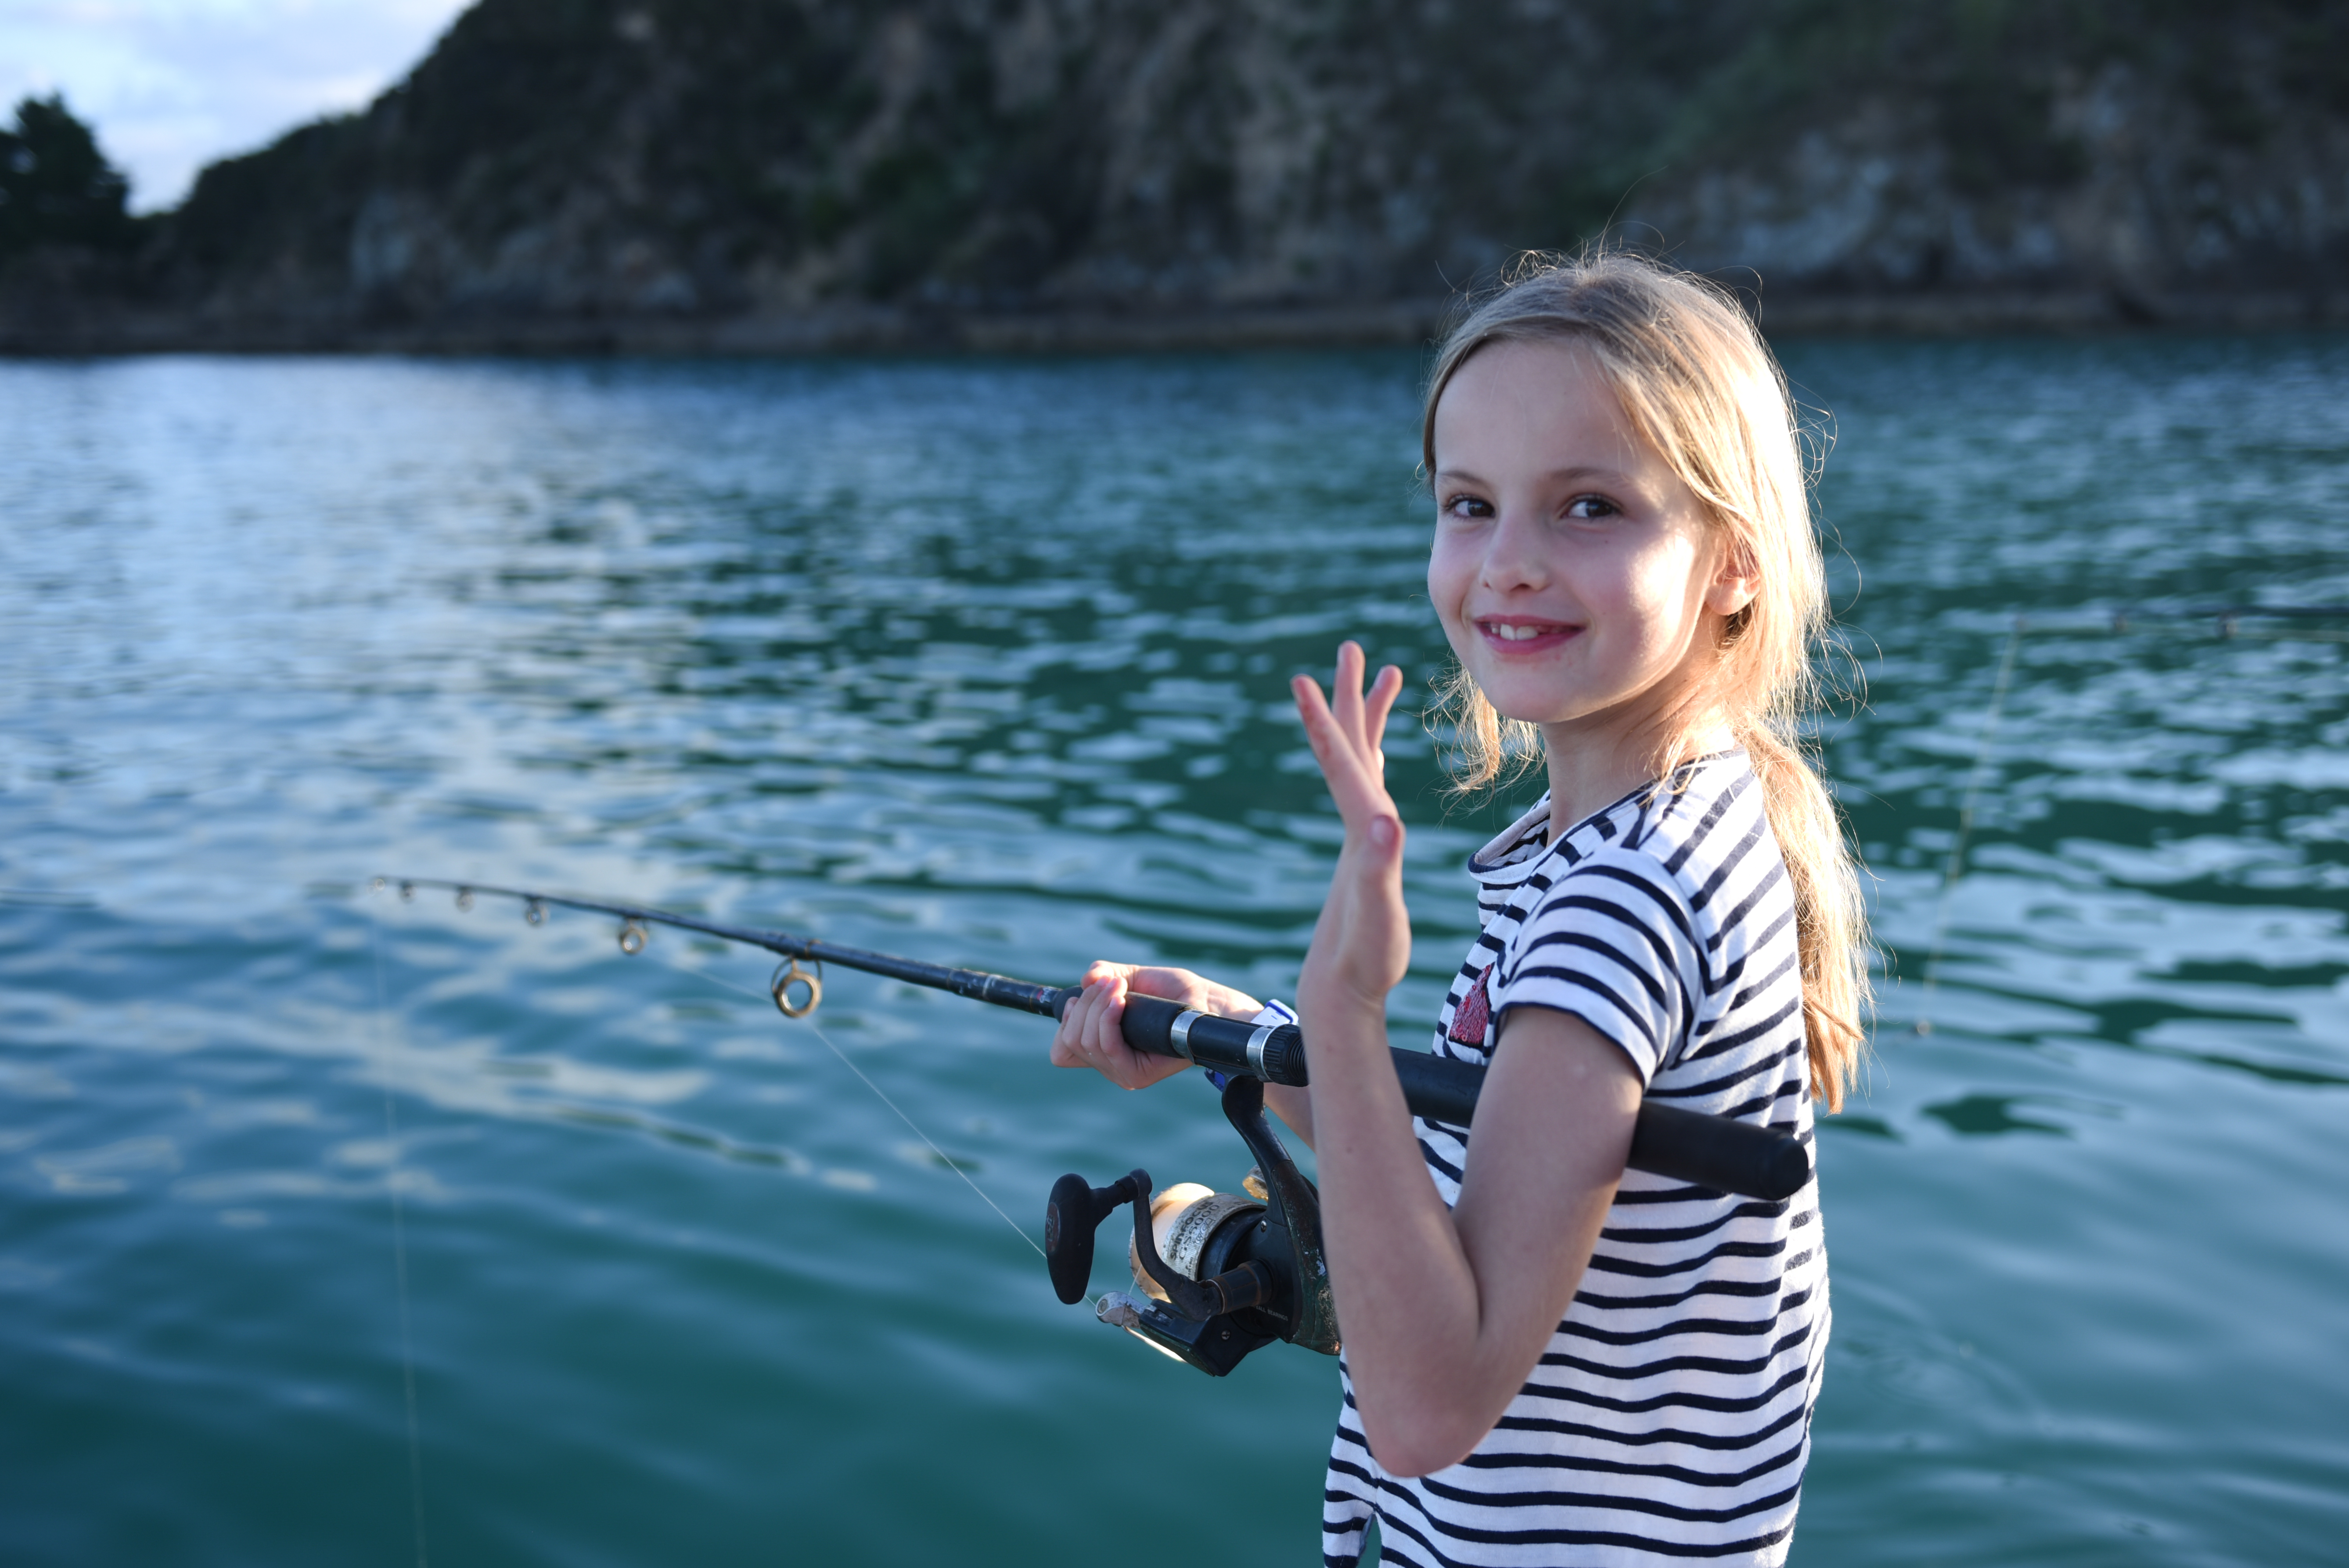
(1072, 1213)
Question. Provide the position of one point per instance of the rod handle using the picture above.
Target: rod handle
(1667, 1141)
(1680, 1145)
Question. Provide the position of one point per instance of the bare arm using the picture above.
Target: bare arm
(1444, 1312)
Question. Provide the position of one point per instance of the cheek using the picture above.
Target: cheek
(1449, 572)
(1663, 584)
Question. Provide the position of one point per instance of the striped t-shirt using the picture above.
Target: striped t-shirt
(1670, 1416)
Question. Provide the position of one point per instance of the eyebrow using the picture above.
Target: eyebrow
(1571, 474)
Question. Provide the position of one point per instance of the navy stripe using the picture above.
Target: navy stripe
(1719, 1403)
(1760, 1208)
(1451, 1172)
(1606, 1262)
(1614, 956)
(1736, 917)
(1751, 1366)
(1611, 910)
(1727, 1327)
(1661, 897)
(1728, 862)
(1655, 1508)
(1624, 1009)
(1705, 824)
(1779, 971)
(1746, 1287)
(1794, 1047)
(1717, 1441)
(1680, 1473)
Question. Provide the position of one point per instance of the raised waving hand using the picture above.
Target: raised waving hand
(1361, 944)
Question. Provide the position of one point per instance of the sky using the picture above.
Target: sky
(172, 85)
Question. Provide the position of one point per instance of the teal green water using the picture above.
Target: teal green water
(984, 662)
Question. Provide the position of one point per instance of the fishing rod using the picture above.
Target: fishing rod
(2292, 623)
(1221, 1273)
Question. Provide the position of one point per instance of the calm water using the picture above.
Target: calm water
(984, 662)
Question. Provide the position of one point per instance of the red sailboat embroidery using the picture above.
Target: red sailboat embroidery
(1474, 1016)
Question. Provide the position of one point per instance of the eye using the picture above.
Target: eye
(1590, 506)
(1467, 506)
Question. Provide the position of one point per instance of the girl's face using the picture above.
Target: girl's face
(1577, 578)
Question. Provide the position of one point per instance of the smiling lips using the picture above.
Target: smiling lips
(1519, 634)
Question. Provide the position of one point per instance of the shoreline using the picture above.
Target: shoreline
(92, 332)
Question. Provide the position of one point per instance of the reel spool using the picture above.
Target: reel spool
(1194, 1227)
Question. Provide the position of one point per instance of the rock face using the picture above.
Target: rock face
(788, 172)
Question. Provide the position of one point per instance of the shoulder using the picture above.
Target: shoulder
(1707, 834)
(1610, 939)
(1619, 900)
(1714, 840)
(1703, 812)
(1653, 851)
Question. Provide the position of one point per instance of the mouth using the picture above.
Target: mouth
(1519, 634)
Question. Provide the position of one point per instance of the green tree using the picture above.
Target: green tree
(56, 186)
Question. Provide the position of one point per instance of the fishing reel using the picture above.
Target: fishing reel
(1219, 1273)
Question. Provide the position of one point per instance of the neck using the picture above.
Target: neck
(1593, 765)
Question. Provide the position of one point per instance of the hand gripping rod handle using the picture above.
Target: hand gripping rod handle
(1680, 1145)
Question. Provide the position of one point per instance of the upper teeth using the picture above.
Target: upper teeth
(1515, 633)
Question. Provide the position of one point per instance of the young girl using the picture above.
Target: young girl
(1549, 1358)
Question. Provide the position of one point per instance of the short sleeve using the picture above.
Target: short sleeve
(1612, 942)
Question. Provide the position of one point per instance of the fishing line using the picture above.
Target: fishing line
(2282, 623)
(944, 1158)
(1957, 862)
(399, 1242)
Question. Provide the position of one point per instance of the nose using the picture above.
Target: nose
(1513, 556)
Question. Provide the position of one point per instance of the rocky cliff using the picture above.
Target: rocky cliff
(769, 173)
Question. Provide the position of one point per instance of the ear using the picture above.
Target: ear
(1735, 581)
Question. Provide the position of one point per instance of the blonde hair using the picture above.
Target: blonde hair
(1696, 381)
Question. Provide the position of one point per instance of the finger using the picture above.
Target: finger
(1346, 689)
(1194, 990)
(1353, 777)
(1069, 1041)
(1065, 1034)
(1330, 747)
(1331, 742)
(1379, 704)
(1103, 1038)
(1119, 1062)
(1376, 709)
(1174, 985)
(1149, 980)
(1313, 709)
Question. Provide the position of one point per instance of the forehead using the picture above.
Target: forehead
(1548, 404)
